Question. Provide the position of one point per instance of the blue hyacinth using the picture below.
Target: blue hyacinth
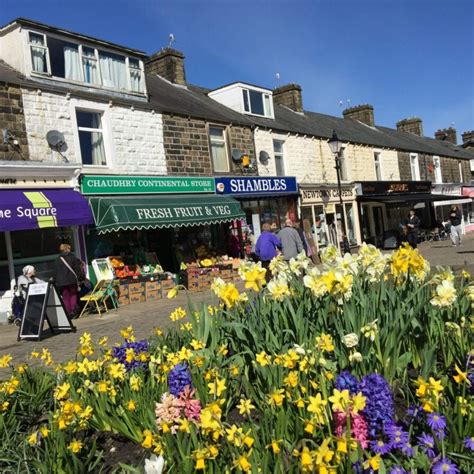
(178, 379)
(346, 381)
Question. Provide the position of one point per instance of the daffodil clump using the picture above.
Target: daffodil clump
(362, 364)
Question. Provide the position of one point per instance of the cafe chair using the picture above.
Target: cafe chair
(97, 298)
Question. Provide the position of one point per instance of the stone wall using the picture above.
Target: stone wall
(13, 119)
(187, 148)
(134, 138)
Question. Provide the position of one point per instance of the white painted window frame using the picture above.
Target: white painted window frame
(214, 140)
(281, 155)
(414, 160)
(94, 107)
(96, 55)
(268, 111)
(438, 172)
(378, 165)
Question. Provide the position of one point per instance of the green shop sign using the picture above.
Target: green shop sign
(95, 185)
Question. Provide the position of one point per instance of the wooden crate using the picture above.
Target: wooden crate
(123, 300)
(167, 284)
(153, 295)
(153, 286)
(122, 289)
(136, 287)
(137, 297)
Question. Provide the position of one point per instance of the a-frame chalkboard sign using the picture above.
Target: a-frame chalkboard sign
(43, 302)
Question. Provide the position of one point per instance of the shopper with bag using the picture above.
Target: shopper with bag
(68, 276)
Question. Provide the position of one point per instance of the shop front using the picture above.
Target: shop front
(453, 195)
(269, 200)
(384, 208)
(468, 192)
(322, 214)
(157, 226)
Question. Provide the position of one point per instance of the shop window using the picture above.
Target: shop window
(91, 137)
(220, 161)
(378, 167)
(437, 169)
(350, 224)
(278, 154)
(39, 52)
(415, 167)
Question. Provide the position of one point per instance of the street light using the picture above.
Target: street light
(335, 145)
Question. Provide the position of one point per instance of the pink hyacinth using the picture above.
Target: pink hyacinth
(169, 410)
(192, 408)
(358, 426)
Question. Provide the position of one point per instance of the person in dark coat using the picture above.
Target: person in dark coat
(68, 275)
(413, 226)
(455, 218)
(302, 236)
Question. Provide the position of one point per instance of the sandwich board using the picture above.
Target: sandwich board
(43, 302)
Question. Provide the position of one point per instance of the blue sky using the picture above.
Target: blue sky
(405, 57)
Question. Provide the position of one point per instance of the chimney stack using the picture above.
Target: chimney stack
(290, 96)
(468, 139)
(412, 125)
(447, 135)
(169, 64)
(363, 113)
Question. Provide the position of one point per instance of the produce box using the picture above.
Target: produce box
(137, 297)
(153, 295)
(122, 289)
(227, 273)
(167, 284)
(136, 287)
(123, 300)
(153, 286)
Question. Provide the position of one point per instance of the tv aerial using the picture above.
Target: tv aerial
(172, 40)
(56, 141)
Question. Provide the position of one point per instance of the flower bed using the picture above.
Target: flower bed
(363, 366)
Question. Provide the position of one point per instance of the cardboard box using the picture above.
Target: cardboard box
(123, 300)
(153, 295)
(136, 287)
(227, 273)
(137, 298)
(167, 284)
(122, 290)
(153, 286)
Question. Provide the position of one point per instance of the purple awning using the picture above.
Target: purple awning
(38, 209)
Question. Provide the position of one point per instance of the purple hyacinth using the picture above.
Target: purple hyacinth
(178, 379)
(397, 470)
(445, 466)
(427, 444)
(469, 442)
(436, 421)
(346, 381)
(397, 436)
(379, 406)
(139, 348)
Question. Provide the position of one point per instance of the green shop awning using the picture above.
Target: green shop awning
(152, 212)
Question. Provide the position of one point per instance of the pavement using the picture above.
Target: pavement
(145, 317)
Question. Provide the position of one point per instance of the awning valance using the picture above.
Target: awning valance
(151, 212)
(452, 202)
(404, 198)
(38, 209)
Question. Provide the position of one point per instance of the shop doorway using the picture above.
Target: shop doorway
(377, 215)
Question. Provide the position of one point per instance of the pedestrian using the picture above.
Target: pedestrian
(413, 225)
(274, 227)
(28, 276)
(455, 218)
(267, 247)
(302, 236)
(403, 236)
(290, 241)
(68, 276)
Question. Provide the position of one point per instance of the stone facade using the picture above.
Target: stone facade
(290, 96)
(12, 119)
(186, 144)
(310, 160)
(134, 138)
(449, 168)
(363, 113)
(167, 63)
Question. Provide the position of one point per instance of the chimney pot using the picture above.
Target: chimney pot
(363, 113)
(468, 139)
(290, 96)
(447, 135)
(169, 64)
(412, 125)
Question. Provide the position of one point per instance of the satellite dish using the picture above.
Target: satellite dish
(263, 157)
(55, 139)
(57, 142)
(237, 155)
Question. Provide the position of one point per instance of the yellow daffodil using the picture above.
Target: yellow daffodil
(278, 289)
(131, 405)
(196, 345)
(263, 359)
(135, 382)
(291, 379)
(245, 406)
(340, 400)
(306, 460)
(177, 314)
(75, 446)
(33, 438)
(445, 294)
(243, 464)
(5, 361)
(229, 294)
(358, 402)
(254, 275)
(373, 462)
(4, 406)
(117, 371)
(173, 293)
(217, 387)
(62, 391)
(147, 442)
(127, 334)
(275, 445)
(277, 397)
(44, 430)
(461, 376)
(316, 404)
(325, 343)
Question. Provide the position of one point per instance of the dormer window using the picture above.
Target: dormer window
(78, 62)
(257, 103)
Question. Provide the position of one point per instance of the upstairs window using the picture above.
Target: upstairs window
(278, 154)
(220, 161)
(378, 167)
(39, 52)
(257, 103)
(437, 169)
(91, 138)
(78, 62)
(415, 167)
(343, 165)
(461, 177)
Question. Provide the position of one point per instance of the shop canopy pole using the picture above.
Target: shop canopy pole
(11, 266)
